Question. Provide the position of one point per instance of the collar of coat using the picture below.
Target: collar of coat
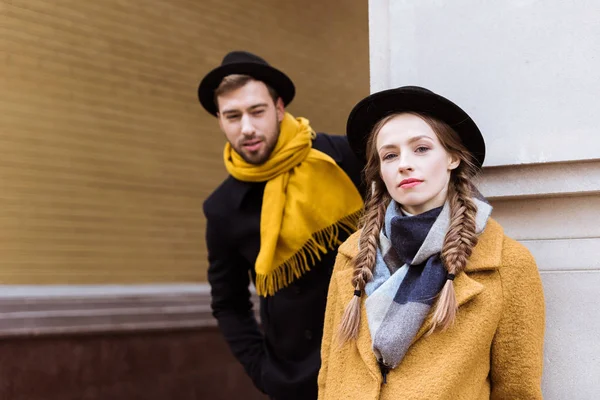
(486, 256)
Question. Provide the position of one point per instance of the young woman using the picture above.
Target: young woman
(429, 300)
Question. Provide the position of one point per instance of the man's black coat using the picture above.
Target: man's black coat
(284, 359)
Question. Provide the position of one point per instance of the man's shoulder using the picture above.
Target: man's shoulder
(331, 137)
(328, 139)
(336, 146)
(221, 199)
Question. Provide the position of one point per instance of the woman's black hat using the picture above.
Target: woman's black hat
(245, 63)
(373, 108)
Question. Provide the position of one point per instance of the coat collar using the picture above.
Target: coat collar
(238, 190)
(487, 255)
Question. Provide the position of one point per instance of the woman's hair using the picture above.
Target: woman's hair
(458, 242)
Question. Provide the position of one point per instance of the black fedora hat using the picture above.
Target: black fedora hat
(373, 108)
(243, 62)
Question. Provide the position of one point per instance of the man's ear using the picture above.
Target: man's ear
(220, 121)
(280, 109)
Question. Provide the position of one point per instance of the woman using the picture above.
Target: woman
(429, 300)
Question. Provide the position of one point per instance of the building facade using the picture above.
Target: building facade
(526, 72)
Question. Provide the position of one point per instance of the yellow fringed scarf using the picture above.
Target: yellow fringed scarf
(308, 199)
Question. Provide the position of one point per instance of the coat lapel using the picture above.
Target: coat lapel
(486, 256)
(465, 289)
(238, 190)
(364, 343)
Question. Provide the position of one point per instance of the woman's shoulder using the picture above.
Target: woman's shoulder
(348, 250)
(516, 256)
(517, 261)
(496, 250)
(513, 252)
(493, 241)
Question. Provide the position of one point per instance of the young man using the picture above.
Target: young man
(291, 198)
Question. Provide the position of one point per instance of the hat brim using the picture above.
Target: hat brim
(279, 81)
(377, 106)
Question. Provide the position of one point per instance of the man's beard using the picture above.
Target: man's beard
(261, 158)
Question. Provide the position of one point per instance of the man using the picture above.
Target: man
(291, 198)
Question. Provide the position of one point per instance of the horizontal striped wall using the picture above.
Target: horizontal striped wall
(107, 155)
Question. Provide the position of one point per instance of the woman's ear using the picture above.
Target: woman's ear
(453, 162)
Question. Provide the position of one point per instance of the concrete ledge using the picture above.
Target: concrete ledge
(541, 180)
(549, 218)
(41, 310)
(565, 254)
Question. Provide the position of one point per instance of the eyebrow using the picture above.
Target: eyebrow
(251, 108)
(417, 138)
(411, 140)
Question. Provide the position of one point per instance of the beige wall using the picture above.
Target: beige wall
(106, 153)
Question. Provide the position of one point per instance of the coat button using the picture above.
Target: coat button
(308, 334)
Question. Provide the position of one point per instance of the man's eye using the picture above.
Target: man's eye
(258, 112)
(232, 117)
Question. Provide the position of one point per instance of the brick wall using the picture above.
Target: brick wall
(106, 154)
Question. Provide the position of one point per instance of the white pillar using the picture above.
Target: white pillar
(527, 72)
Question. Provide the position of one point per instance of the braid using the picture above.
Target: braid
(459, 242)
(364, 261)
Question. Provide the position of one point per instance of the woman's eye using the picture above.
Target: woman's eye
(422, 149)
(389, 156)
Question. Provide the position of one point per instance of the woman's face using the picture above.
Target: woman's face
(414, 165)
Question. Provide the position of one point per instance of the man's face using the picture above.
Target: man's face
(250, 120)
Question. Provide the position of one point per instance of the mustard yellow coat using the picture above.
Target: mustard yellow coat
(493, 351)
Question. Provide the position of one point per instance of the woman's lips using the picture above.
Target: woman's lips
(409, 183)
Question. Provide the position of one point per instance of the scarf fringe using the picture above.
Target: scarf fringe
(321, 242)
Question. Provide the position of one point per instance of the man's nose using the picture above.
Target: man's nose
(247, 127)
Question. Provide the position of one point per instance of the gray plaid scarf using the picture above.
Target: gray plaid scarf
(407, 277)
